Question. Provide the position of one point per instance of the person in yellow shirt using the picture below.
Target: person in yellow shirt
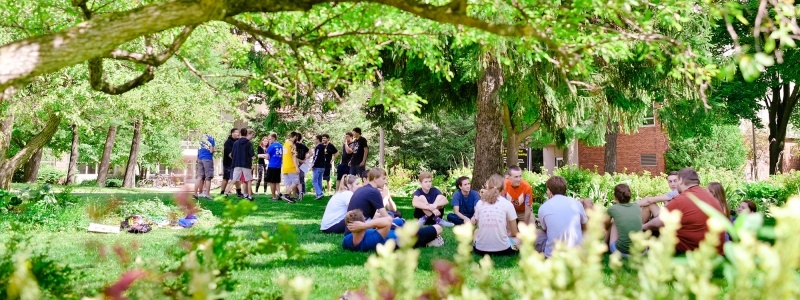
(291, 176)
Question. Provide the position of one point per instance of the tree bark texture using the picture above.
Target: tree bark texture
(130, 170)
(32, 167)
(610, 157)
(488, 123)
(105, 160)
(382, 148)
(73, 156)
(780, 106)
(37, 142)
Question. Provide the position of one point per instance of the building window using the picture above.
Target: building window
(649, 118)
(649, 160)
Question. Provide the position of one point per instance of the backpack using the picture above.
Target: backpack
(135, 224)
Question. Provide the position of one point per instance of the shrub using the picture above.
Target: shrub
(54, 279)
(90, 183)
(579, 181)
(50, 175)
(398, 176)
(723, 149)
(114, 183)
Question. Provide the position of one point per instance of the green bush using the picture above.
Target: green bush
(398, 177)
(89, 183)
(723, 149)
(50, 175)
(579, 181)
(114, 183)
(54, 279)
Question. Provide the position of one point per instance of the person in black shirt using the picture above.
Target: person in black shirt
(261, 152)
(368, 198)
(227, 168)
(321, 160)
(242, 156)
(344, 166)
(330, 155)
(303, 154)
(359, 150)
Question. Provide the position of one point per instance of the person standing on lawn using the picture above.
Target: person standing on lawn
(429, 202)
(275, 161)
(360, 150)
(243, 161)
(261, 153)
(303, 156)
(291, 178)
(344, 166)
(322, 161)
(205, 166)
(227, 162)
(330, 156)
(464, 201)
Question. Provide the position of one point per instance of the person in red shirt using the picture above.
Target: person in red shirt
(520, 193)
(694, 221)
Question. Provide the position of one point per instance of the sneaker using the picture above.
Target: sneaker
(248, 197)
(319, 197)
(273, 199)
(437, 242)
(423, 220)
(194, 197)
(444, 223)
(287, 199)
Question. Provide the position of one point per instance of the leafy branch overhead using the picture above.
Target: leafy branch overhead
(332, 44)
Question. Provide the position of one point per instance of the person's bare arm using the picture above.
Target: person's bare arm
(347, 147)
(381, 213)
(652, 200)
(364, 160)
(420, 202)
(376, 223)
(512, 226)
(527, 216)
(653, 224)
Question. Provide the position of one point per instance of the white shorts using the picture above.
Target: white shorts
(291, 178)
(238, 172)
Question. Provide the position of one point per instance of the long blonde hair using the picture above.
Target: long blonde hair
(347, 181)
(716, 190)
(493, 188)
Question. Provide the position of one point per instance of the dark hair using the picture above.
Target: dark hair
(716, 190)
(622, 193)
(689, 176)
(357, 130)
(460, 181)
(243, 131)
(751, 205)
(318, 137)
(296, 135)
(234, 130)
(557, 185)
(355, 215)
(349, 133)
(513, 168)
(325, 135)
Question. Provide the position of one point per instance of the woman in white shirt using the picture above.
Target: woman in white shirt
(496, 220)
(333, 218)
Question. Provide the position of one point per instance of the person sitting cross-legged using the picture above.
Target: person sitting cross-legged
(562, 218)
(429, 202)
(365, 235)
(626, 217)
(496, 219)
(333, 218)
(464, 201)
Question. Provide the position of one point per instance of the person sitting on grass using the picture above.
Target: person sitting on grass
(496, 219)
(368, 198)
(332, 219)
(562, 218)
(649, 205)
(365, 235)
(746, 207)
(625, 218)
(716, 190)
(429, 202)
(388, 203)
(519, 192)
(464, 201)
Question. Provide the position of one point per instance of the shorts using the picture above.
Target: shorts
(205, 169)
(291, 178)
(358, 171)
(327, 174)
(226, 173)
(273, 175)
(242, 174)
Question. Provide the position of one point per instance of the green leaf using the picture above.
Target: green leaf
(769, 45)
(764, 59)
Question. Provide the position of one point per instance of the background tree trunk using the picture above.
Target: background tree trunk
(130, 170)
(32, 166)
(9, 164)
(611, 148)
(488, 123)
(73, 156)
(780, 106)
(105, 160)
(382, 148)
(512, 155)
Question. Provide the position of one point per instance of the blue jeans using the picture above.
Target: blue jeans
(316, 180)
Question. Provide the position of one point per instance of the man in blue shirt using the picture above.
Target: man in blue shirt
(205, 166)
(464, 201)
(275, 157)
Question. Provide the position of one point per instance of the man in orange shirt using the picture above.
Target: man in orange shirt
(520, 193)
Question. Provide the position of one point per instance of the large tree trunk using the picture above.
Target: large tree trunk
(130, 170)
(105, 160)
(73, 156)
(37, 142)
(32, 167)
(610, 163)
(780, 106)
(512, 145)
(488, 124)
(382, 148)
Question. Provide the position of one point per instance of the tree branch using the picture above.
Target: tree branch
(258, 32)
(98, 82)
(152, 59)
(530, 130)
(201, 76)
(37, 141)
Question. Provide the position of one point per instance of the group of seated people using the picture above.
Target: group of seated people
(367, 216)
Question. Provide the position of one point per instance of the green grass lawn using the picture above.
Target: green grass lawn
(332, 269)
